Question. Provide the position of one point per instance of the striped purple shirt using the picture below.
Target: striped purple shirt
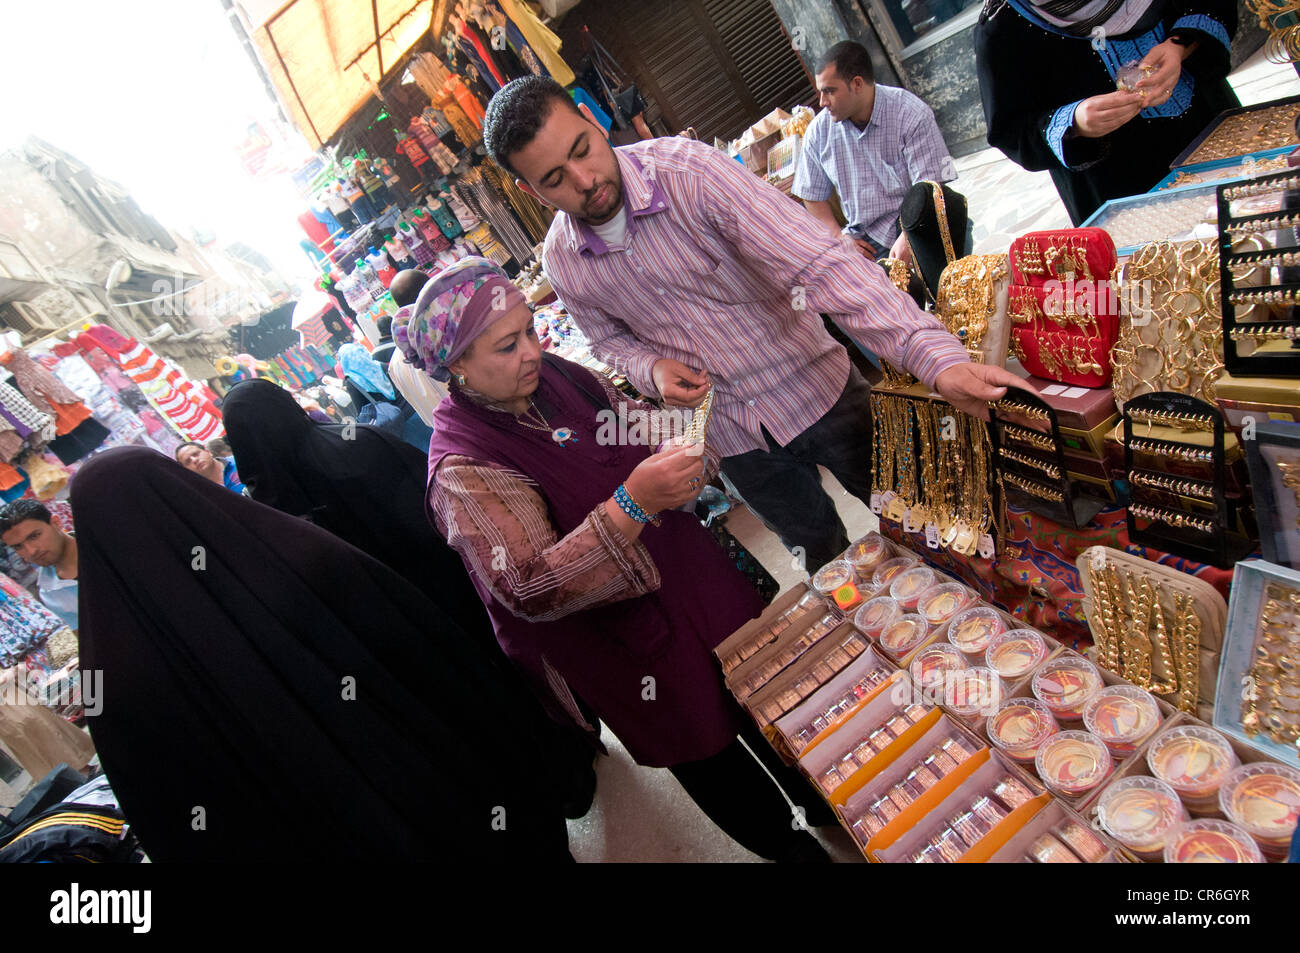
(724, 272)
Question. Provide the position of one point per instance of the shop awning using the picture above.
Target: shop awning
(327, 57)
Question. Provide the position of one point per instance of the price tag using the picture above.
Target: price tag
(909, 522)
(986, 548)
(932, 535)
(895, 509)
(877, 506)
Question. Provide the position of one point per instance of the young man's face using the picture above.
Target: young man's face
(570, 166)
(843, 99)
(36, 541)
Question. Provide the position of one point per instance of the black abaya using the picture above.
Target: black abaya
(1028, 73)
(360, 483)
(273, 693)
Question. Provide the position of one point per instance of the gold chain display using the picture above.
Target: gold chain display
(1271, 700)
(931, 462)
(967, 302)
(1171, 332)
(1141, 629)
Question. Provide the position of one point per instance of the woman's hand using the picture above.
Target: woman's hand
(1099, 116)
(1165, 65)
(666, 480)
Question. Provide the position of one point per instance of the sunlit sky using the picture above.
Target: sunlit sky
(156, 95)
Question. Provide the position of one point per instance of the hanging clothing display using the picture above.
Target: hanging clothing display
(476, 192)
(536, 219)
(30, 423)
(45, 391)
(543, 41)
(47, 478)
(39, 739)
(177, 398)
(80, 442)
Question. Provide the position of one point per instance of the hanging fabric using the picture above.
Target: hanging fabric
(46, 392)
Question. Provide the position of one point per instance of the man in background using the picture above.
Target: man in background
(868, 145)
(196, 457)
(26, 528)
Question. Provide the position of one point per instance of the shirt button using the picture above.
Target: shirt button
(659, 291)
(752, 403)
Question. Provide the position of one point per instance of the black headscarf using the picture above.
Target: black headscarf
(358, 482)
(272, 693)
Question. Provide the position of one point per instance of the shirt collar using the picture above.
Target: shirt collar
(641, 196)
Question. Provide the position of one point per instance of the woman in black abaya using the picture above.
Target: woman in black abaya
(358, 482)
(1048, 72)
(271, 693)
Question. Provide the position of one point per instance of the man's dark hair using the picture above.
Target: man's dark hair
(405, 289)
(14, 513)
(849, 59)
(384, 323)
(189, 443)
(515, 114)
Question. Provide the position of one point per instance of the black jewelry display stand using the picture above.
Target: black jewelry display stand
(919, 220)
(1285, 240)
(1215, 547)
(1072, 509)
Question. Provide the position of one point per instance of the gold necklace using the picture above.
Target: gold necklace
(544, 425)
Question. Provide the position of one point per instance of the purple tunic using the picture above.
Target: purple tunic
(607, 654)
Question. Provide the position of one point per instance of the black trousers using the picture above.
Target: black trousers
(733, 790)
(784, 489)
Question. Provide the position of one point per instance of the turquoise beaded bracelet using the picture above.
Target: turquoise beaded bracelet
(630, 506)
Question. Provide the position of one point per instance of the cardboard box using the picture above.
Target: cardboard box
(727, 651)
(1091, 442)
(1079, 408)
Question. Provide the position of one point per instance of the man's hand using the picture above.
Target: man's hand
(969, 387)
(1167, 59)
(679, 385)
(1098, 116)
(901, 250)
(867, 249)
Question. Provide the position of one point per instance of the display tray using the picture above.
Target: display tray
(1273, 458)
(1260, 127)
(1223, 170)
(1251, 587)
(1136, 220)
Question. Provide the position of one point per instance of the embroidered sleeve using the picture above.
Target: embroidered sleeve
(499, 523)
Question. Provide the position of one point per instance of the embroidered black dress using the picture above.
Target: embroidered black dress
(1033, 74)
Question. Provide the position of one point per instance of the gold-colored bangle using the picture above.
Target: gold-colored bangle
(1167, 418)
(1183, 487)
(1171, 517)
(1030, 437)
(1051, 470)
(1018, 409)
(1033, 488)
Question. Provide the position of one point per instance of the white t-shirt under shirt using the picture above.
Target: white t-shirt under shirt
(614, 232)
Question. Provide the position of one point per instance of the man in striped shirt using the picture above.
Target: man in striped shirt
(686, 271)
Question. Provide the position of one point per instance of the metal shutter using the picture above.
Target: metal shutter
(717, 65)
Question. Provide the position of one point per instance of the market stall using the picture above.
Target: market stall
(1062, 645)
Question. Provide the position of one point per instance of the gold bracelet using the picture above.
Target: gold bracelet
(1172, 517)
(1028, 461)
(1030, 437)
(1183, 487)
(1162, 448)
(1019, 410)
(1165, 418)
(1034, 489)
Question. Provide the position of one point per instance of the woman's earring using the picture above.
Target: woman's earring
(460, 380)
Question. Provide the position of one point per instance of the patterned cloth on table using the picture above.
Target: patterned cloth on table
(1034, 576)
(24, 624)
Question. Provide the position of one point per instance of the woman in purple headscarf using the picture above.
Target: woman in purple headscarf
(596, 584)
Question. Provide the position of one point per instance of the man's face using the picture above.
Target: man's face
(841, 98)
(196, 459)
(35, 541)
(570, 166)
